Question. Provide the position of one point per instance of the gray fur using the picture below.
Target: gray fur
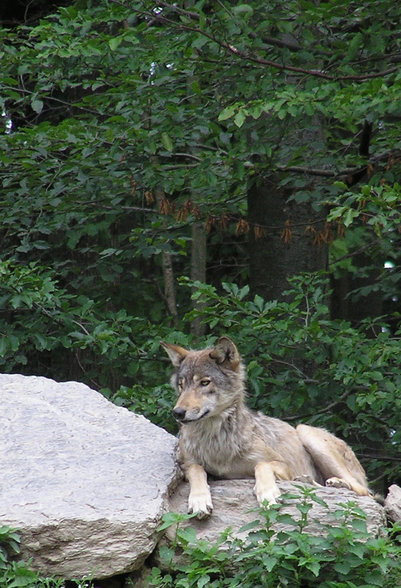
(221, 436)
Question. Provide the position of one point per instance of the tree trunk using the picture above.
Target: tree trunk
(169, 286)
(168, 274)
(286, 238)
(345, 305)
(198, 269)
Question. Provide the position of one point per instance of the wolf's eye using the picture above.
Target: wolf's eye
(205, 382)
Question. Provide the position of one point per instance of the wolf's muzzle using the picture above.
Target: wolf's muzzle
(179, 413)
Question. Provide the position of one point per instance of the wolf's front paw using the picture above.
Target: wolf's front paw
(269, 495)
(201, 504)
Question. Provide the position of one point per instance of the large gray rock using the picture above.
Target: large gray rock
(85, 482)
(392, 504)
(235, 504)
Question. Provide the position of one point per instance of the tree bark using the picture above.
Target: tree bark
(198, 269)
(286, 238)
(354, 309)
(169, 285)
(168, 274)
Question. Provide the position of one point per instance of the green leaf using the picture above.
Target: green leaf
(228, 112)
(349, 217)
(186, 534)
(115, 42)
(37, 105)
(242, 9)
(342, 567)
(167, 142)
(252, 525)
(203, 581)
(259, 302)
(166, 555)
(314, 567)
(3, 346)
(270, 562)
(239, 118)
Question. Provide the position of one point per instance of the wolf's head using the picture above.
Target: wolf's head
(208, 382)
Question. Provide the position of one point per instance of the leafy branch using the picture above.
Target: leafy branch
(248, 56)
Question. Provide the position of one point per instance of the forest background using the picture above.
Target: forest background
(186, 170)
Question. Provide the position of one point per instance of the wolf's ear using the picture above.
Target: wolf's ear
(175, 353)
(226, 354)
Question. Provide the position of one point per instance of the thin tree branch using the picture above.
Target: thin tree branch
(261, 61)
(189, 155)
(381, 457)
(326, 408)
(293, 46)
(336, 173)
(326, 173)
(356, 252)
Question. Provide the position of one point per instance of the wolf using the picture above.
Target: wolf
(221, 436)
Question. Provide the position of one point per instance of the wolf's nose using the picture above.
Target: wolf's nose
(179, 413)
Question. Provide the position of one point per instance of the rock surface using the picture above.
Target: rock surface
(85, 482)
(392, 504)
(234, 506)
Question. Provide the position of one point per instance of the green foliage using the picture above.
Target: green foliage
(376, 205)
(119, 113)
(155, 403)
(41, 320)
(130, 122)
(342, 555)
(373, 213)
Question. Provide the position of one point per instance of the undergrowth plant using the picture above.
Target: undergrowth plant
(279, 552)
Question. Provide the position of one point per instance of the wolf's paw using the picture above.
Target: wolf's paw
(201, 504)
(337, 483)
(268, 495)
